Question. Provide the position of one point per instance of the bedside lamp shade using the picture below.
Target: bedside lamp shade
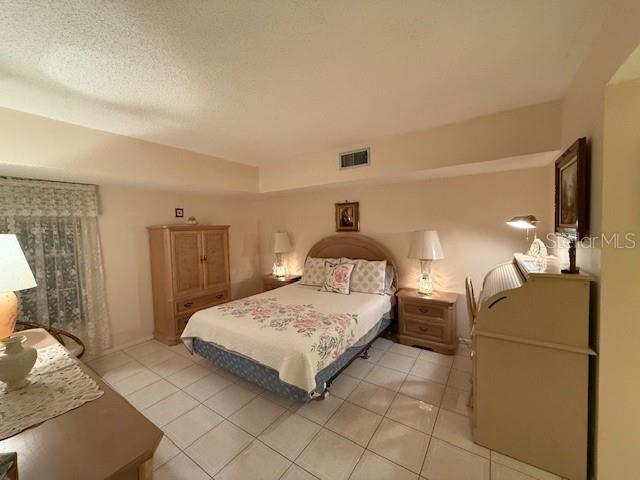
(15, 274)
(281, 243)
(425, 246)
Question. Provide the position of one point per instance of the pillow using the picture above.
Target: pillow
(313, 273)
(368, 276)
(337, 276)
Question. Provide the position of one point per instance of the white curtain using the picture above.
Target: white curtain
(57, 226)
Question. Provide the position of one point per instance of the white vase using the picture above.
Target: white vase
(16, 361)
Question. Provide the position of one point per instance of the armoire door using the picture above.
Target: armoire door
(216, 266)
(187, 262)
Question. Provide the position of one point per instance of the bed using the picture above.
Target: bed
(296, 339)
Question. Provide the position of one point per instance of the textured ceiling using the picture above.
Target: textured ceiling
(261, 81)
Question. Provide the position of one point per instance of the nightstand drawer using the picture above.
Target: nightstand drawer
(423, 329)
(422, 310)
(198, 303)
(428, 322)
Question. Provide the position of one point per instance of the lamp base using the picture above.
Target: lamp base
(425, 286)
(279, 271)
(8, 313)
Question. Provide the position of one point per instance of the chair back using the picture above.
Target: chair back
(472, 308)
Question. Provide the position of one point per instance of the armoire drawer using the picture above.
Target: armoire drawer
(417, 328)
(198, 303)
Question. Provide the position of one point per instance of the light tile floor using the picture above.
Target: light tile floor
(401, 414)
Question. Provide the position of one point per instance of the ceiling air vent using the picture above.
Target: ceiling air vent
(355, 158)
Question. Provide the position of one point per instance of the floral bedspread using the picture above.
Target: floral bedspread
(330, 333)
(296, 330)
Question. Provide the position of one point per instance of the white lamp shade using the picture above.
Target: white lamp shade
(15, 273)
(281, 242)
(425, 245)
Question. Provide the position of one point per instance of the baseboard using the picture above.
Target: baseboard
(127, 345)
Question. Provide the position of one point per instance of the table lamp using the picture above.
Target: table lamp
(425, 246)
(528, 222)
(15, 275)
(281, 245)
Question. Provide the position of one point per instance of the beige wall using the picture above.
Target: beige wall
(39, 147)
(619, 418)
(583, 106)
(583, 115)
(468, 212)
(125, 214)
(524, 131)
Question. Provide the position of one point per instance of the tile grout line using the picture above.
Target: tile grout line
(436, 421)
(397, 394)
(290, 466)
(365, 448)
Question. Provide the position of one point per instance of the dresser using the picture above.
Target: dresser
(428, 321)
(104, 438)
(531, 365)
(189, 272)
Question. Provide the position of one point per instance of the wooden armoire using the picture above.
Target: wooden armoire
(189, 272)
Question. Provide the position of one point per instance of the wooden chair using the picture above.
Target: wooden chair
(70, 341)
(472, 307)
(472, 311)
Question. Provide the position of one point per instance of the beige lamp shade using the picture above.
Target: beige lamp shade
(15, 273)
(425, 245)
(281, 243)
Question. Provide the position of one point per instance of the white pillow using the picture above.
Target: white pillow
(368, 276)
(337, 276)
(314, 271)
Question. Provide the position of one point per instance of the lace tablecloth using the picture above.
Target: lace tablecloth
(56, 385)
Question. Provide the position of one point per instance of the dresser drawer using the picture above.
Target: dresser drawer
(418, 328)
(198, 303)
(422, 310)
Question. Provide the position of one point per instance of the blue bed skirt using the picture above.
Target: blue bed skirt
(267, 377)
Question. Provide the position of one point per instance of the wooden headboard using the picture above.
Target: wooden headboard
(352, 245)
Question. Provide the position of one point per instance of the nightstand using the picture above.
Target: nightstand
(428, 321)
(269, 282)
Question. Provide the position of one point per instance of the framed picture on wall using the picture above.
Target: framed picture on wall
(348, 217)
(572, 195)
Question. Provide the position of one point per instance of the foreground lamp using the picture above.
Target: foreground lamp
(425, 246)
(281, 245)
(528, 222)
(15, 275)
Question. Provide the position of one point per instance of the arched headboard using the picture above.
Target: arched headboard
(352, 245)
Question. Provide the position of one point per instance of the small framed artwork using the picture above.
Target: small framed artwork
(179, 212)
(348, 217)
(572, 191)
